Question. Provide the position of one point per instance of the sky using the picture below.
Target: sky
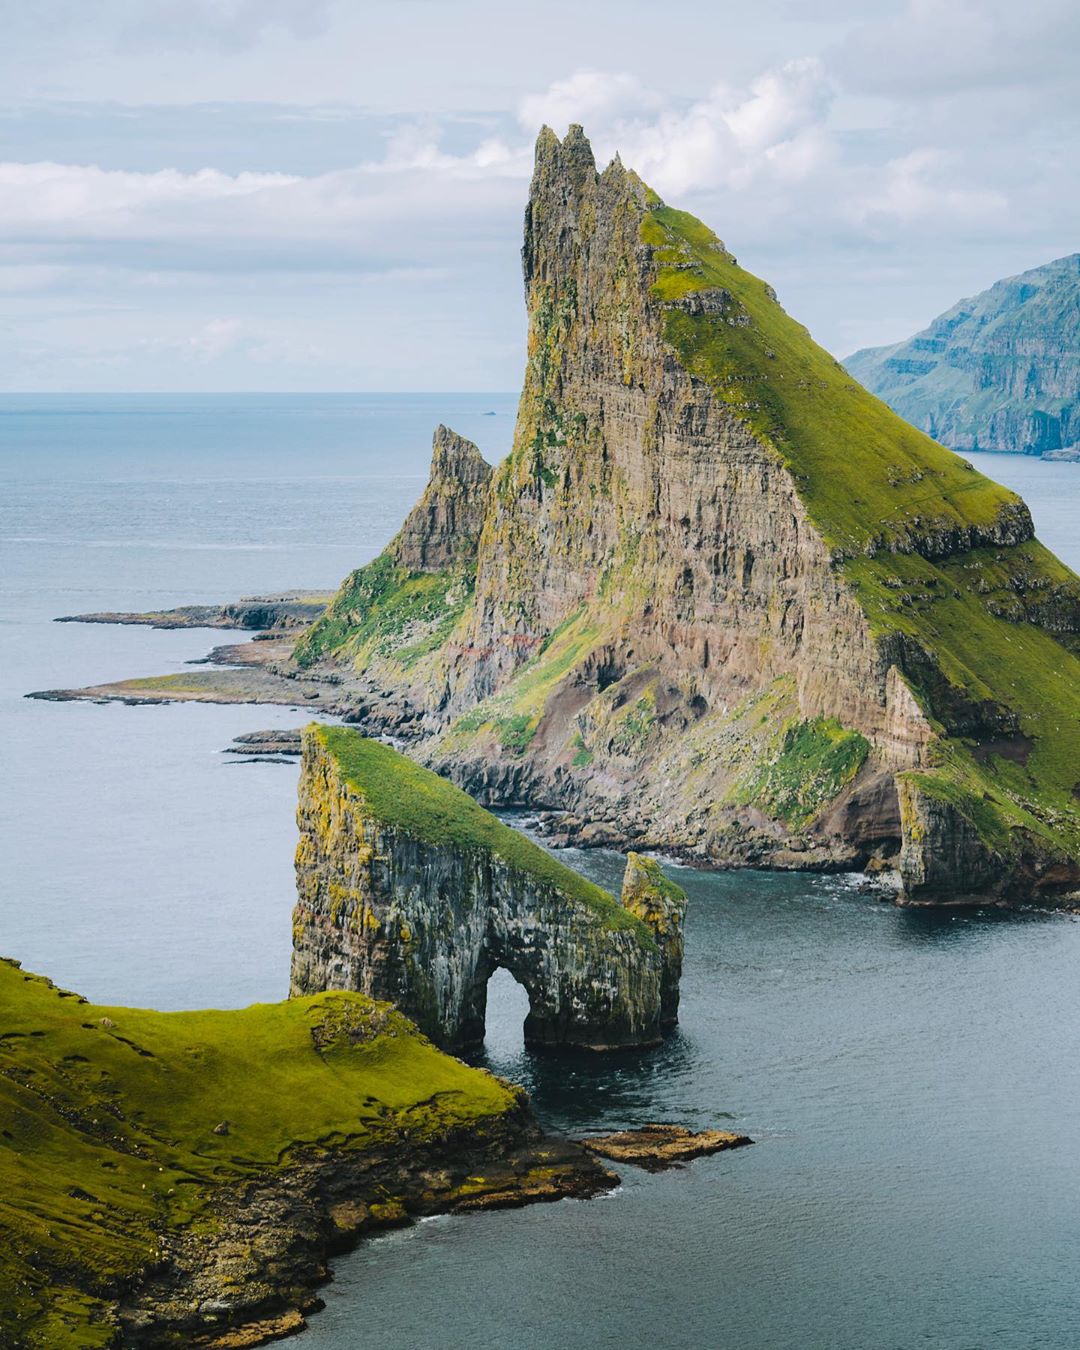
(328, 194)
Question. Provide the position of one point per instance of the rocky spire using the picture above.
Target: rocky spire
(444, 525)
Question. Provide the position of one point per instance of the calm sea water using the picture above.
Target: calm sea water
(913, 1080)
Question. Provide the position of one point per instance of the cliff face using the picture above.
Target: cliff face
(999, 371)
(389, 617)
(182, 1178)
(725, 601)
(410, 890)
(443, 527)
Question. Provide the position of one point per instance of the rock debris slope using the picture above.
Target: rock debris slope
(720, 600)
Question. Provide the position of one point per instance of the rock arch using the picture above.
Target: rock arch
(410, 891)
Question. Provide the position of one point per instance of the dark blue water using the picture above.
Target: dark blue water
(913, 1080)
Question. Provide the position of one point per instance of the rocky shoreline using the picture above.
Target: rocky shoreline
(186, 1178)
(275, 1239)
(256, 1279)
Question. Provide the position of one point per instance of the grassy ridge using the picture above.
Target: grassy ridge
(109, 1115)
(863, 472)
(401, 793)
(874, 486)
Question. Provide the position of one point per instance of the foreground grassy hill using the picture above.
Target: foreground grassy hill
(127, 1134)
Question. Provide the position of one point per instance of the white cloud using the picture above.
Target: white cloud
(589, 97)
(942, 48)
(875, 160)
(724, 140)
(74, 198)
(216, 338)
(926, 184)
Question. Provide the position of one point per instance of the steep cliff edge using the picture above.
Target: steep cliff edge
(726, 603)
(182, 1178)
(998, 371)
(392, 617)
(410, 891)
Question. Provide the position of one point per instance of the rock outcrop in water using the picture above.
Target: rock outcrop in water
(723, 602)
(999, 371)
(260, 613)
(410, 891)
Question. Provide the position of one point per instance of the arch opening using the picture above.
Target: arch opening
(507, 1009)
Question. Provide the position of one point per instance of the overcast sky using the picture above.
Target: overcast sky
(328, 194)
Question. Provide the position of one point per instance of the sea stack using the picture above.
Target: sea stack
(719, 600)
(407, 886)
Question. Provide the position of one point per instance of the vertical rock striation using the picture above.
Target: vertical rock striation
(722, 601)
(408, 888)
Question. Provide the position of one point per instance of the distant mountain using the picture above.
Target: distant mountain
(1000, 371)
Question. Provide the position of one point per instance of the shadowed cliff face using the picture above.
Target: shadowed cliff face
(722, 600)
(406, 886)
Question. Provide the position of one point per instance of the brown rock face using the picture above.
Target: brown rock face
(658, 1147)
(636, 497)
(718, 600)
(407, 888)
(442, 528)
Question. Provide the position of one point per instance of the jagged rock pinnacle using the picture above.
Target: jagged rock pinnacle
(445, 523)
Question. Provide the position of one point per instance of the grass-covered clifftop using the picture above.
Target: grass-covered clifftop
(118, 1126)
(940, 557)
(402, 794)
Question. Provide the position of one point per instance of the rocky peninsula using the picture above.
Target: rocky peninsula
(183, 1178)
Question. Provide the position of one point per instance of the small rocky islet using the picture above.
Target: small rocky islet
(718, 601)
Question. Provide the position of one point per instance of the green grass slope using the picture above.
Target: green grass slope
(401, 793)
(987, 635)
(385, 611)
(108, 1119)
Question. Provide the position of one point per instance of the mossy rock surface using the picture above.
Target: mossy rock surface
(405, 796)
(120, 1124)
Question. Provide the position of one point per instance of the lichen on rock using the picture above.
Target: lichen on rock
(408, 890)
(720, 600)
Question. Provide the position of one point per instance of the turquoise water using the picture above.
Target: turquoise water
(913, 1080)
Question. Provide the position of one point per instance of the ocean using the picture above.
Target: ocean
(912, 1079)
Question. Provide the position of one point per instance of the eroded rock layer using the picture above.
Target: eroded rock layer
(721, 600)
(409, 889)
